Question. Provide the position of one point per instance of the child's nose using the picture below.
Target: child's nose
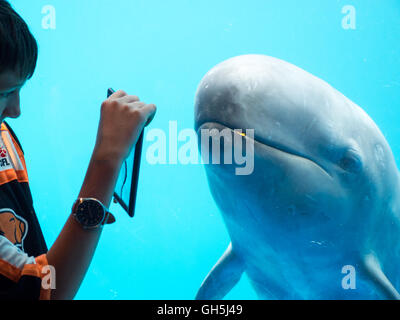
(13, 108)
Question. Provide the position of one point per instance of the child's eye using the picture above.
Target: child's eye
(6, 95)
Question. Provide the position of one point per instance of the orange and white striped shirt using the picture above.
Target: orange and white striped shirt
(22, 246)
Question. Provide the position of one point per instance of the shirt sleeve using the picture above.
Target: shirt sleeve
(20, 275)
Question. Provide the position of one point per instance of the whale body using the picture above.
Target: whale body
(319, 216)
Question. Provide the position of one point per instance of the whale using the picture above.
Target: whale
(318, 217)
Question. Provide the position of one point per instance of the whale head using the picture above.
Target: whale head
(322, 170)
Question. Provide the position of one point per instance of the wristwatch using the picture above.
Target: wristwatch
(90, 213)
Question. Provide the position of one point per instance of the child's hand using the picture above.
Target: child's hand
(122, 120)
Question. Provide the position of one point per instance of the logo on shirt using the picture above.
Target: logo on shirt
(11, 159)
(4, 161)
(13, 227)
(3, 152)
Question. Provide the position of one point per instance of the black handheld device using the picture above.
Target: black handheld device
(126, 197)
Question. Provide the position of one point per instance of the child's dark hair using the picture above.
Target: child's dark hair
(18, 47)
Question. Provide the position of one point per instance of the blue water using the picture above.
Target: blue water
(160, 50)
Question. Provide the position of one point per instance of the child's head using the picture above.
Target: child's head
(18, 56)
(18, 47)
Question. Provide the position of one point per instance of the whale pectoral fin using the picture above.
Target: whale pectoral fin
(222, 277)
(373, 267)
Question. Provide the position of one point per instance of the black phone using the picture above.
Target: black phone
(126, 190)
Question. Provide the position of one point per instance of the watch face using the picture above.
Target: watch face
(90, 213)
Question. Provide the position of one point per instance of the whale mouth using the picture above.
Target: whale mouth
(262, 142)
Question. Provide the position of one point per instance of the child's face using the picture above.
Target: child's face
(10, 86)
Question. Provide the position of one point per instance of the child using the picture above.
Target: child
(24, 258)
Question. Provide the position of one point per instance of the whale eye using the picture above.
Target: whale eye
(351, 161)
